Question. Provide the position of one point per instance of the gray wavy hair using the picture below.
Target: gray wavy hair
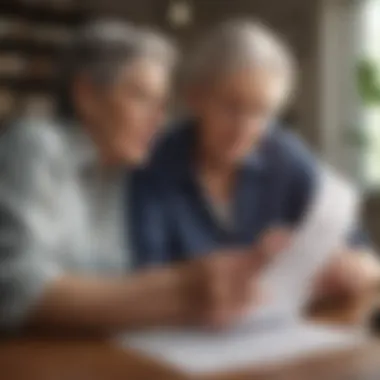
(102, 48)
(238, 43)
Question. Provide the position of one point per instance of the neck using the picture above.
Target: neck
(216, 176)
(207, 162)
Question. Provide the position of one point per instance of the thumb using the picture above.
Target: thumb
(272, 243)
(276, 240)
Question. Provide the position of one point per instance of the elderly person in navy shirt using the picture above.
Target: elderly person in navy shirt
(230, 172)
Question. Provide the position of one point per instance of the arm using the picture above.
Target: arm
(211, 291)
(104, 305)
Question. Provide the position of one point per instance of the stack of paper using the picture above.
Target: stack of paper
(238, 348)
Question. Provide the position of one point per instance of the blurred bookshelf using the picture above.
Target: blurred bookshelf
(32, 34)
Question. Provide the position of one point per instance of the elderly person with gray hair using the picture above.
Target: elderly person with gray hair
(66, 220)
(230, 172)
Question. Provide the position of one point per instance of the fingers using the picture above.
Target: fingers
(230, 293)
(230, 307)
(271, 244)
(226, 285)
(348, 274)
(359, 272)
(276, 240)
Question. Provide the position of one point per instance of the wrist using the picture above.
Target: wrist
(186, 283)
(168, 296)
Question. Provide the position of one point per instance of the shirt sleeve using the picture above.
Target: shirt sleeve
(28, 224)
(304, 180)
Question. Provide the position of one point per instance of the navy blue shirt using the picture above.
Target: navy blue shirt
(172, 219)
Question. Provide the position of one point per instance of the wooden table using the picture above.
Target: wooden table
(80, 359)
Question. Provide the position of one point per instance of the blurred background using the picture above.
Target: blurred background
(336, 42)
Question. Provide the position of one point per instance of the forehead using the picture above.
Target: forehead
(247, 81)
(143, 73)
(250, 85)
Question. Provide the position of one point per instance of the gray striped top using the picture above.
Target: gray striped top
(60, 212)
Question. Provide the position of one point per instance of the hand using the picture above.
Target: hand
(224, 285)
(350, 273)
(220, 287)
(275, 240)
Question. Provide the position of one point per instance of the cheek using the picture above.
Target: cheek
(126, 119)
(127, 113)
(218, 126)
(220, 137)
(142, 117)
(139, 129)
(119, 124)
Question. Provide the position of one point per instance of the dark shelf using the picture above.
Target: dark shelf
(27, 47)
(29, 85)
(42, 13)
(36, 52)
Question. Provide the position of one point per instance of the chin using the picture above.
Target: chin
(136, 159)
(231, 159)
(238, 157)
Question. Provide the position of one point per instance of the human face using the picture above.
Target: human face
(128, 114)
(235, 111)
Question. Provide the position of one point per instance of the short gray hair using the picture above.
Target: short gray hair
(236, 43)
(102, 48)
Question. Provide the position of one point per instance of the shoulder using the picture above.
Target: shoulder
(170, 153)
(32, 139)
(32, 161)
(287, 151)
(166, 164)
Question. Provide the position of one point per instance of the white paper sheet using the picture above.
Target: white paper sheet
(203, 352)
(289, 279)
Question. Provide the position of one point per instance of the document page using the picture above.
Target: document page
(237, 348)
(289, 279)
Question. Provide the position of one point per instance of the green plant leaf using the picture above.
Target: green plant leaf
(368, 74)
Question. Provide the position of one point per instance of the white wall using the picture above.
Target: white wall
(339, 103)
